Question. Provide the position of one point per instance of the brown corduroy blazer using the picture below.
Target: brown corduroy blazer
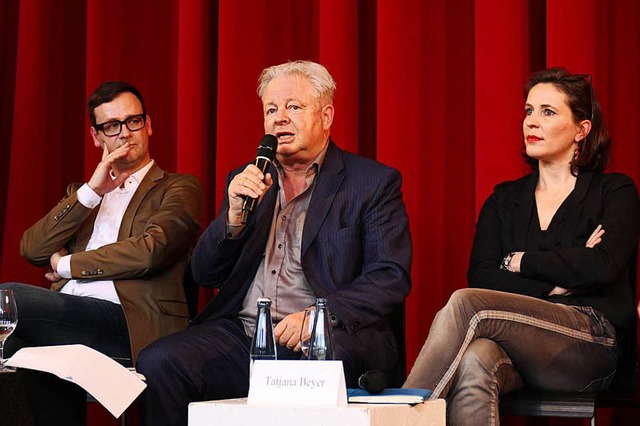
(147, 264)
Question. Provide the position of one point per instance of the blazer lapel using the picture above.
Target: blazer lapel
(523, 209)
(154, 175)
(573, 210)
(264, 213)
(328, 181)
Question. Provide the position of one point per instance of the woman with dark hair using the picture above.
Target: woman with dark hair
(551, 269)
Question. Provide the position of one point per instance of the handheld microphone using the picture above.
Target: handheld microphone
(265, 155)
(372, 381)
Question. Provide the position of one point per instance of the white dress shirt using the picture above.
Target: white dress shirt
(105, 231)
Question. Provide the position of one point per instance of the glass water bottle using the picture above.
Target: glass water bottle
(263, 344)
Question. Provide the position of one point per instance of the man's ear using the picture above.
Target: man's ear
(327, 116)
(94, 135)
(147, 124)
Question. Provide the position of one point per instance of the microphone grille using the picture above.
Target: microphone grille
(268, 147)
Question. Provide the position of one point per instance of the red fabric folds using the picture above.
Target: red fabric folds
(432, 88)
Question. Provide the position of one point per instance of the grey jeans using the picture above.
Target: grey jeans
(484, 343)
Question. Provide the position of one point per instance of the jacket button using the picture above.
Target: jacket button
(335, 321)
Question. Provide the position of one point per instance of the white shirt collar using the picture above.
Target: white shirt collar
(135, 179)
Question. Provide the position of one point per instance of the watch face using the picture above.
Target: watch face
(506, 261)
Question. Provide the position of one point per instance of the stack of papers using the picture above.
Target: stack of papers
(108, 382)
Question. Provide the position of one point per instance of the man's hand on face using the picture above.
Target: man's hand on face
(53, 275)
(101, 182)
(249, 183)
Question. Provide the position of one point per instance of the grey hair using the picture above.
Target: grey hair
(321, 80)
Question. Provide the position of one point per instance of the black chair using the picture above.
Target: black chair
(397, 322)
(191, 292)
(623, 391)
(122, 420)
(528, 402)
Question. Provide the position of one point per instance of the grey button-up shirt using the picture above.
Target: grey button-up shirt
(280, 276)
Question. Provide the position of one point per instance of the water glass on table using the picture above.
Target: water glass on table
(8, 322)
(316, 336)
(307, 330)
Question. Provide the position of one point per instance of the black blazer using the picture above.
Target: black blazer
(601, 277)
(356, 248)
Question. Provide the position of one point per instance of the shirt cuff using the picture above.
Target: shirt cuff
(64, 266)
(235, 231)
(88, 197)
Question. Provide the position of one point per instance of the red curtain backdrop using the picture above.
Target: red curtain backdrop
(432, 87)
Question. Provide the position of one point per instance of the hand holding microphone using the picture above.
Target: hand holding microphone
(247, 187)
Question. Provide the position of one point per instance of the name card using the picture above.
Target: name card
(298, 383)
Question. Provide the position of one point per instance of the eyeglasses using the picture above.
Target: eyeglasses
(114, 127)
(583, 78)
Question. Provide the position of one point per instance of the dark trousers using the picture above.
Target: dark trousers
(210, 361)
(47, 318)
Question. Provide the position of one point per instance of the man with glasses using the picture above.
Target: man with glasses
(118, 246)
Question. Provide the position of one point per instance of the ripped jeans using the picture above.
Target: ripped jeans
(485, 343)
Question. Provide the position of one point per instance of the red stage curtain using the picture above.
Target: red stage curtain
(433, 88)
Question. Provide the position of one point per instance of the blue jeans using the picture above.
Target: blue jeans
(47, 317)
(485, 343)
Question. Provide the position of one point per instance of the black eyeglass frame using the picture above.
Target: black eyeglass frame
(100, 127)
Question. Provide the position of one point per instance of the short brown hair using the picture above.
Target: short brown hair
(107, 92)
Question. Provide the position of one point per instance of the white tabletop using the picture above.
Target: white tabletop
(236, 412)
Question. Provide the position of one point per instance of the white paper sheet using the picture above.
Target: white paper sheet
(111, 384)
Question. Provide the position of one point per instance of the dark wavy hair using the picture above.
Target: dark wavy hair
(578, 88)
(107, 92)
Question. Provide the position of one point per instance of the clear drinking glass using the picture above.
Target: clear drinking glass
(307, 330)
(8, 321)
(316, 336)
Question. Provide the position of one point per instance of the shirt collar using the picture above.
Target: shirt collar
(314, 167)
(136, 177)
(140, 174)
